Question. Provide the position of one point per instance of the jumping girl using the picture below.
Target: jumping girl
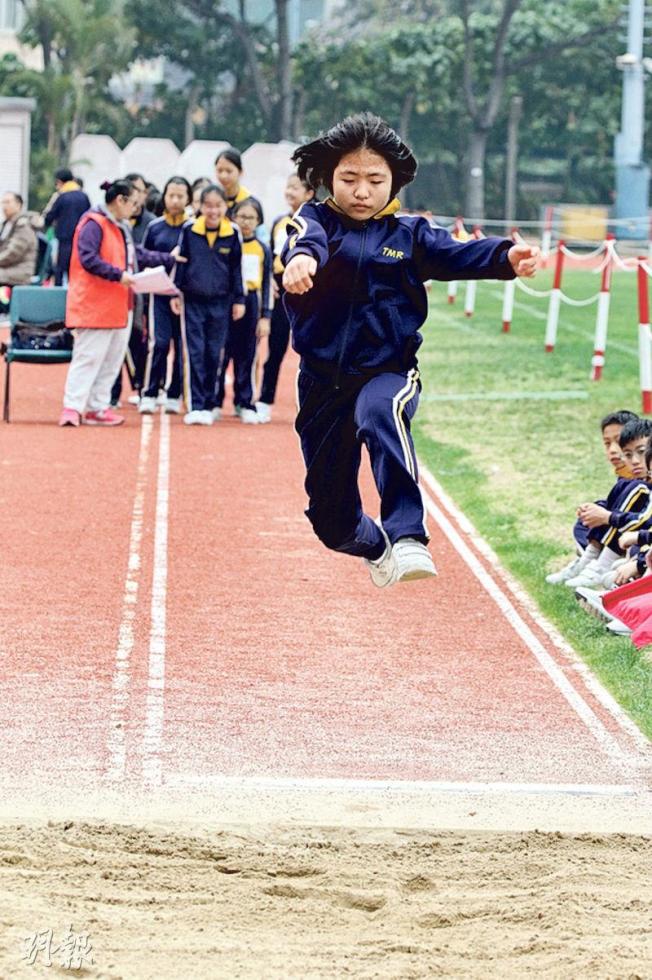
(297, 192)
(354, 274)
(211, 284)
(163, 326)
(243, 336)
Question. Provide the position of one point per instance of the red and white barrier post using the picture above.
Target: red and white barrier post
(602, 315)
(452, 290)
(644, 339)
(472, 284)
(509, 294)
(546, 236)
(555, 302)
(457, 233)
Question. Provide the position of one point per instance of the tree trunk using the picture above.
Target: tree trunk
(189, 123)
(406, 115)
(299, 116)
(475, 174)
(284, 71)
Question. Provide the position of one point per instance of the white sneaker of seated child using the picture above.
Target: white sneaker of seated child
(198, 417)
(147, 405)
(249, 416)
(264, 412)
(173, 406)
(575, 566)
(591, 600)
(591, 576)
(615, 626)
(217, 414)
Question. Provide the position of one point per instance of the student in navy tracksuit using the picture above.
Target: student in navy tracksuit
(354, 274)
(163, 326)
(211, 284)
(64, 214)
(243, 336)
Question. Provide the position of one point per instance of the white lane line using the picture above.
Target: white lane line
(600, 693)
(116, 742)
(556, 674)
(153, 733)
(401, 785)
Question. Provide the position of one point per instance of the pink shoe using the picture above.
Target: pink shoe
(69, 417)
(106, 417)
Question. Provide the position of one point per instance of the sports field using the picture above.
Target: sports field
(227, 755)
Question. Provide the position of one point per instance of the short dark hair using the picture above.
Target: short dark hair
(134, 176)
(17, 197)
(63, 174)
(232, 155)
(117, 188)
(636, 429)
(212, 189)
(182, 182)
(252, 203)
(200, 182)
(316, 161)
(621, 417)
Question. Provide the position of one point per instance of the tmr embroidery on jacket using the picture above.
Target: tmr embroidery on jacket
(393, 253)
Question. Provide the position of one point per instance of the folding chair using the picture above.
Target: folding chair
(37, 305)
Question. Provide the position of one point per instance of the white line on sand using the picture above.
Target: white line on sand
(153, 733)
(121, 668)
(554, 671)
(414, 786)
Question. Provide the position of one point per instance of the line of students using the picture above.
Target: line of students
(613, 536)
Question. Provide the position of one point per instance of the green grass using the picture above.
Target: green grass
(518, 467)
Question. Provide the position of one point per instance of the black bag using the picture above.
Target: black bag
(53, 335)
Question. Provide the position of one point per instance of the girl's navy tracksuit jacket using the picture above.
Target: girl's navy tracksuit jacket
(357, 332)
(211, 282)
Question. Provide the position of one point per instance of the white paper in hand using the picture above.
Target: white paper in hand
(154, 280)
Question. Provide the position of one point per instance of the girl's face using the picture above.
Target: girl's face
(176, 198)
(125, 207)
(228, 175)
(213, 207)
(247, 220)
(296, 193)
(362, 184)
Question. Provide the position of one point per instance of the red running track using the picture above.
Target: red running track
(244, 648)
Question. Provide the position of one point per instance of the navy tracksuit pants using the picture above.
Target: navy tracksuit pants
(241, 349)
(279, 338)
(204, 328)
(333, 424)
(163, 328)
(136, 355)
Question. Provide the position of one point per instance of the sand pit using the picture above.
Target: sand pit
(158, 902)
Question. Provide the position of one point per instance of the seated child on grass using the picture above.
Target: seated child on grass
(627, 509)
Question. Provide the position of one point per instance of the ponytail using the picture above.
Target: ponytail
(116, 188)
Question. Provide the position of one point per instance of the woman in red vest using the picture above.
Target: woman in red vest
(99, 303)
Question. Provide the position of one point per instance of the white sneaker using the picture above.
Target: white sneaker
(590, 577)
(207, 417)
(249, 416)
(160, 399)
(173, 406)
(591, 601)
(615, 626)
(383, 570)
(198, 417)
(147, 405)
(217, 414)
(133, 399)
(413, 560)
(570, 570)
(264, 412)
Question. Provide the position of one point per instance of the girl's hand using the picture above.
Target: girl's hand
(176, 254)
(627, 539)
(592, 515)
(524, 259)
(626, 572)
(127, 279)
(238, 311)
(262, 330)
(299, 273)
(276, 292)
(176, 305)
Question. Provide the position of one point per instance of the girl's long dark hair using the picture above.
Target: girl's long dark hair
(316, 161)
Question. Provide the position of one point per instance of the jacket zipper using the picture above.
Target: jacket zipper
(347, 328)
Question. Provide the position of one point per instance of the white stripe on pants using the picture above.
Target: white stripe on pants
(97, 357)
